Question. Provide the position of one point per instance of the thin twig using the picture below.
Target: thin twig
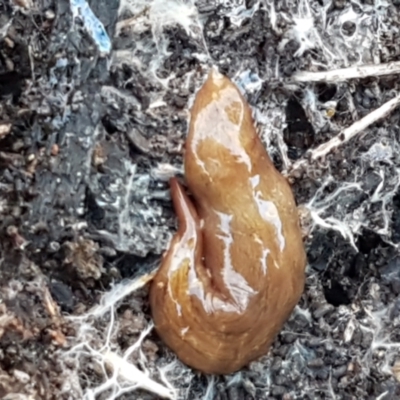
(344, 74)
(346, 134)
(119, 292)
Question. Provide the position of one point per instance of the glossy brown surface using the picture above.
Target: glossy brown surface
(235, 269)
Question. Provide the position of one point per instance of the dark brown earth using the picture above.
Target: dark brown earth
(88, 142)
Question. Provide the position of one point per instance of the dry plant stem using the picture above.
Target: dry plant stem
(124, 290)
(346, 134)
(133, 375)
(343, 74)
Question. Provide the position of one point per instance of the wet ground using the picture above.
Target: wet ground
(88, 141)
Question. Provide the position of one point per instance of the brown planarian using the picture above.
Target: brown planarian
(235, 269)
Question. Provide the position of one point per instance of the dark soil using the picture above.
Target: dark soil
(88, 142)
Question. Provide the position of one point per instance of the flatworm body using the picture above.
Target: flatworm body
(234, 270)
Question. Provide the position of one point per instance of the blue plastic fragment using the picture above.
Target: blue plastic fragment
(248, 81)
(80, 8)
